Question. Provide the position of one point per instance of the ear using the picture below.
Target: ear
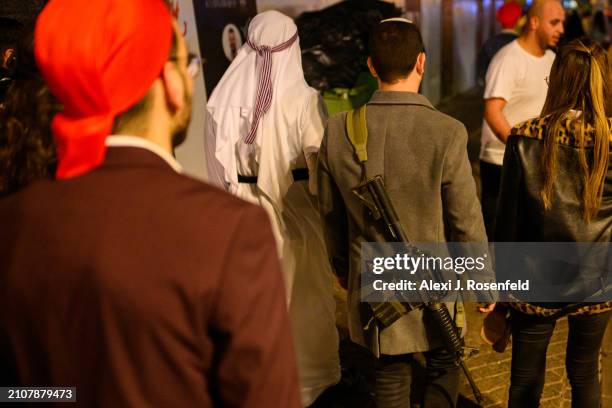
(371, 67)
(174, 87)
(534, 23)
(420, 63)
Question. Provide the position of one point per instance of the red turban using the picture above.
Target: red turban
(509, 14)
(98, 57)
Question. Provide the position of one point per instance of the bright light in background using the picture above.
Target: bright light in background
(570, 4)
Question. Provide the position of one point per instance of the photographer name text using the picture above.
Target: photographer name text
(469, 284)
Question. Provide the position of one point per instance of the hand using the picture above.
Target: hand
(486, 307)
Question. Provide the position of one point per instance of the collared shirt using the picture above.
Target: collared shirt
(135, 141)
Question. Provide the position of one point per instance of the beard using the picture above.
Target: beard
(179, 135)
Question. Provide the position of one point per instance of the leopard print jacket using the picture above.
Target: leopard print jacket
(536, 129)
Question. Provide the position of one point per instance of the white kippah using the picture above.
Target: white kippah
(399, 19)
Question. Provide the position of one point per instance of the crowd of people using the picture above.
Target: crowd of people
(141, 286)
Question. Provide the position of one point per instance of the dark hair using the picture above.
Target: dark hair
(27, 149)
(394, 48)
(579, 80)
(132, 116)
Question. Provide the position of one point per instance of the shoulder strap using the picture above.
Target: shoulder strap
(358, 132)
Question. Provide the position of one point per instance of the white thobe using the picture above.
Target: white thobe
(297, 228)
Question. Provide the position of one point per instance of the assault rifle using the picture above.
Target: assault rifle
(373, 195)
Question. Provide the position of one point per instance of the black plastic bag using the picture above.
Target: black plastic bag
(334, 41)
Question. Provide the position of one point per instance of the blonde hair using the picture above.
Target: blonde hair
(579, 80)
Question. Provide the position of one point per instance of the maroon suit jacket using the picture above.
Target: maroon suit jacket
(143, 287)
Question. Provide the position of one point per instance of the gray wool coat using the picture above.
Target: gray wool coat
(422, 154)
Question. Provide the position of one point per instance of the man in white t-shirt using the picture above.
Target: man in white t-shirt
(515, 90)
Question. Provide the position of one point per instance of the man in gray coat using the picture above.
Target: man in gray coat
(423, 157)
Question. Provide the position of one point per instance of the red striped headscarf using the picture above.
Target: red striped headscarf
(98, 57)
(264, 87)
(260, 101)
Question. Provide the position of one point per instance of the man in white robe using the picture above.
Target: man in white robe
(264, 127)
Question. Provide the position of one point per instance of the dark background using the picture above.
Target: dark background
(210, 21)
(24, 11)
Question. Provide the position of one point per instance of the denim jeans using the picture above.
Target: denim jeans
(530, 338)
(394, 377)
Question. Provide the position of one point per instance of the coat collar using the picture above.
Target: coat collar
(139, 142)
(399, 98)
(133, 156)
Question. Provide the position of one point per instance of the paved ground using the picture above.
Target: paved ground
(491, 370)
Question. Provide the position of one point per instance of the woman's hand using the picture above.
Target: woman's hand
(486, 307)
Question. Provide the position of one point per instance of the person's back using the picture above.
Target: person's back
(130, 302)
(423, 158)
(261, 144)
(422, 155)
(562, 221)
(419, 150)
(557, 186)
(124, 278)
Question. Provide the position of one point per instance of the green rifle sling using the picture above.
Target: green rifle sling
(358, 132)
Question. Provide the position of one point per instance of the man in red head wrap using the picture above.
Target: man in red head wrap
(124, 278)
(508, 16)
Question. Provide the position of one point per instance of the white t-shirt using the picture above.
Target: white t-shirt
(520, 78)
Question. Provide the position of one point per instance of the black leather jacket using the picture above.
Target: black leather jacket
(521, 216)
